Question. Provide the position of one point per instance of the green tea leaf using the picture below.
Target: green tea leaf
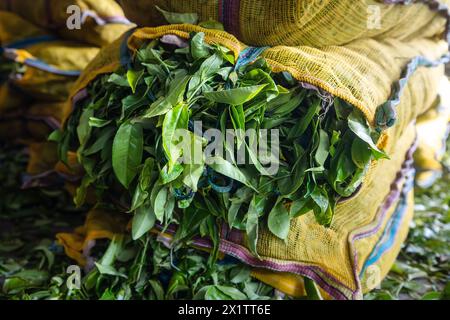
(80, 196)
(178, 88)
(144, 219)
(312, 291)
(176, 119)
(301, 126)
(252, 225)
(215, 25)
(279, 220)
(179, 18)
(109, 270)
(98, 123)
(118, 80)
(84, 129)
(323, 149)
(320, 197)
(224, 293)
(127, 152)
(158, 108)
(235, 96)
(133, 78)
(361, 154)
(160, 204)
(105, 135)
(167, 177)
(357, 124)
(224, 167)
(199, 49)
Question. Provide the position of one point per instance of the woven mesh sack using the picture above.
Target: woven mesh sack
(51, 65)
(362, 73)
(102, 21)
(315, 23)
(31, 122)
(433, 129)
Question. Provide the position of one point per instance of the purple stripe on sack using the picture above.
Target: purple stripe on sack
(395, 193)
(233, 235)
(229, 16)
(241, 253)
(237, 251)
(49, 121)
(48, 178)
(80, 95)
(99, 20)
(174, 40)
(392, 197)
(232, 243)
(245, 256)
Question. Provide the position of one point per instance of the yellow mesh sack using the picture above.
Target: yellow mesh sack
(31, 123)
(99, 224)
(10, 98)
(102, 21)
(432, 130)
(42, 157)
(315, 23)
(363, 74)
(52, 66)
(293, 284)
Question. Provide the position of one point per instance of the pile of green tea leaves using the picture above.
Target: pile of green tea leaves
(158, 273)
(29, 220)
(124, 134)
(34, 267)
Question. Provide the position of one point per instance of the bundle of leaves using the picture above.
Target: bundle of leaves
(34, 267)
(29, 220)
(158, 273)
(125, 137)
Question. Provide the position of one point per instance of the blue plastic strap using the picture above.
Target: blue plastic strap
(386, 115)
(391, 231)
(39, 64)
(21, 44)
(249, 55)
(212, 177)
(125, 54)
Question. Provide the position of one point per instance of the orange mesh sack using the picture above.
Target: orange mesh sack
(342, 257)
(101, 22)
(315, 23)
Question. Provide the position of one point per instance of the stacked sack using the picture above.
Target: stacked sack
(387, 76)
(40, 61)
(433, 128)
